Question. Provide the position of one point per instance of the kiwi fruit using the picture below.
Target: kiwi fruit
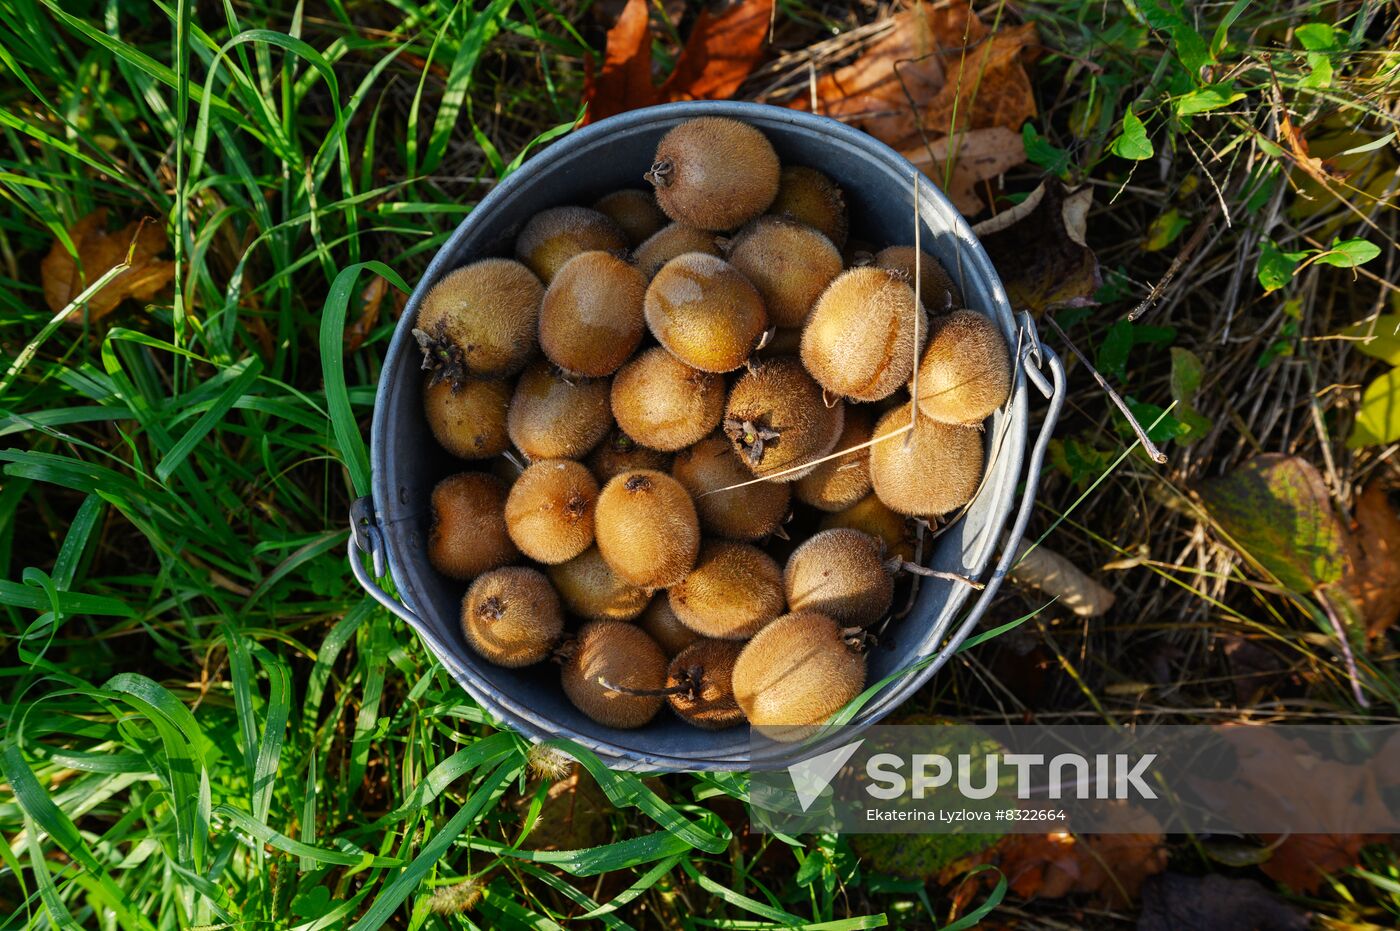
(590, 589)
(549, 511)
(749, 513)
(859, 339)
(479, 321)
(635, 213)
(937, 291)
(607, 658)
(808, 196)
(671, 241)
(965, 374)
(620, 453)
(591, 319)
(733, 591)
(777, 418)
(555, 417)
(842, 574)
(468, 421)
(553, 236)
(665, 628)
(663, 403)
(646, 528)
(700, 682)
(870, 515)
(468, 535)
(839, 483)
(714, 173)
(705, 312)
(511, 616)
(788, 262)
(935, 471)
(799, 670)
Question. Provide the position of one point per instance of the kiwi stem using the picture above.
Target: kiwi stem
(660, 174)
(442, 357)
(858, 638)
(895, 564)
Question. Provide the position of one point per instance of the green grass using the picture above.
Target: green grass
(206, 724)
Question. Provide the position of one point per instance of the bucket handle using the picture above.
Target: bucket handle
(1035, 358)
(366, 538)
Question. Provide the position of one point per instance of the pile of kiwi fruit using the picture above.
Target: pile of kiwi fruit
(690, 478)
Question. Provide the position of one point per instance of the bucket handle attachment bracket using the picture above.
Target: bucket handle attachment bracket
(366, 539)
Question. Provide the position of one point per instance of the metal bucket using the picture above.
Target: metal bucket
(391, 526)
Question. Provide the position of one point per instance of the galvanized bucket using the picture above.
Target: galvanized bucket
(391, 526)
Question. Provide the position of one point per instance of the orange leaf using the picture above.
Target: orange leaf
(1303, 861)
(625, 80)
(720, 53)
(370, 299)
(64, 277)
(1376, 582)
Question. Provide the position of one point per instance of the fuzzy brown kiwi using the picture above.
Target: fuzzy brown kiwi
(469, 422)
(511, 616)
(591, 319)
(936, 471)
(714, 173)
(635, 212)
(705, 312)
(799, 670)
(479, 321)
(778, 418)
(937, 290)
(590, 589)
(733, 591)
(549, 512)
(665, 628)
(859, 339)
(749, 513)
(871, 516)
(620, 453)
(468, 535)
(841, 573)
(663, 403)
(840, 483)
(553, 236)
(788, 262)
(700, 681)
(646, 528)
(609, 654)
(965, 374)
(808, 196)
(555, 417)
(671, 241)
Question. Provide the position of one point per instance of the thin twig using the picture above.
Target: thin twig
(1157, 455)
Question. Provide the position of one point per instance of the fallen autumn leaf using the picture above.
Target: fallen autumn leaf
(64, 276)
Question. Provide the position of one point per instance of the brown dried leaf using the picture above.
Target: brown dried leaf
(65, 277)
(1376, 582)
(624, 83)
(1039, 250)
(938, 71)
(719, 54)
(370, 300)
(981, 155)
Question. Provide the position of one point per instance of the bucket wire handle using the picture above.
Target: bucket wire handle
(1035, 357)
(365, 539)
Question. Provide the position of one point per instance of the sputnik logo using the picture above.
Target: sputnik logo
(811, 776)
